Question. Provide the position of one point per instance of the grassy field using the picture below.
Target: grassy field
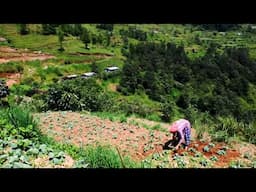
(193, 40)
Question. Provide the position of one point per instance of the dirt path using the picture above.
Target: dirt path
(11, 78)
(8, 54)
(96, 55)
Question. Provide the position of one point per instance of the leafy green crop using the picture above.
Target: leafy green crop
(192, 150)
(211, 145)
(206, 148)
(204, 163)
(214, 158)
(221, 152)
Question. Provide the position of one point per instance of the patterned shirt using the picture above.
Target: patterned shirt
(187, 133)
(184, 128)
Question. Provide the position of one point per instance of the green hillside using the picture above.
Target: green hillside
(205, 73)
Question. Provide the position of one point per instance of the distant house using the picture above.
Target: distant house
(111, 69)
(70, 77)
(2, 39)
(87, 75)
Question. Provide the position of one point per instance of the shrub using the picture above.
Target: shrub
(17, 121)
(24, 89)
(167, 109)
(53, 70)
(78, 94)
(11, 67)
(4, 91)
(135, 107)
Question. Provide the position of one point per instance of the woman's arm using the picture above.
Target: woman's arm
(181, 138)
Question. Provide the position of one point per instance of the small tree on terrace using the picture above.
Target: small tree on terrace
(95, 67)
(4, 91)
(78, 29)
(85, 37)
(23, 29)
(61, 38)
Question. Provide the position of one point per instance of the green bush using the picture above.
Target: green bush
(53, 70)
(34, 105)
(30, 81)
(135, 107)
(78, 94)
(4, 90)
(154, 117)
(21, 89)
(11, 67)
(17, 121)
(123, 119)
(167, 111)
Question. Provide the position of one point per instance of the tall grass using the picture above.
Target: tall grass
(201, 128)
(249, 132)
(93, 157)
(107, 157)
(157, 127)
(225, 128)
(122, 118)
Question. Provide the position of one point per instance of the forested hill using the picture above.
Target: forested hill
(218, 83)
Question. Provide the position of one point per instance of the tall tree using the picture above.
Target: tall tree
(130, 77)
(95, 67)
(23, 29)
(108, 27)
(61, 38)
(85, 38)
(49, 29)
(78, 30)
(4, 92)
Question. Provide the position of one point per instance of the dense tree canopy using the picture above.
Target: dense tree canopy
(213, 83)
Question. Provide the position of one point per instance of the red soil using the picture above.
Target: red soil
(11, 78)
(135, 141)
(8, 54)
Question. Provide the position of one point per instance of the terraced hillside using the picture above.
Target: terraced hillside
(53, 115)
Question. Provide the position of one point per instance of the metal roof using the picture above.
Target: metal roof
(112, 68)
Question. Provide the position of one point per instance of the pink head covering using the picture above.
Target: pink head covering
(181, 123)
(174, 127)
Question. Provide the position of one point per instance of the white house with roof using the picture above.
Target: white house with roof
(71, 76)
(111, 69)
(88, 74)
